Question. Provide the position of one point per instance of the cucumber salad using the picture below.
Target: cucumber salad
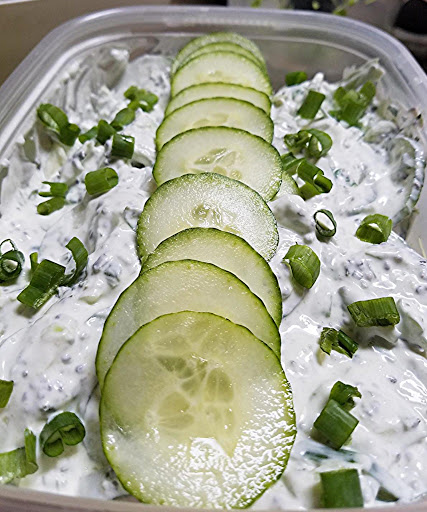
(207, 298)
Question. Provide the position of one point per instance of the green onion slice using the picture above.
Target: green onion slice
(322, 227)
(341, 489)
(20, 462)
(101, 181)
(57, 121)
(315, 143)
(50, 206)
(374, 312)
(80, 256)
(353, 104)
(55, 189)
(11, 262)
(335, 424)
(63, 429)
(331, 339)
(311, 105)
(374, 229)
(344, 394)
(304, 263)
(123, 118)
(89, 135)
(123, 146)
(6, 388)
(46, 279)
(34, 261)
(104, 131)
(140, 98)
(315, 181)
(287, 161)
(295, 78)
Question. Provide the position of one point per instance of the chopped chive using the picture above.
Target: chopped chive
(304, 263)
(50, 206)
(123, 146)
(63, 429)
(123, 118)
(90, 134)
(57, 121)
(341, 489)
(344, 394)
(6, 388)
(374, 229)
(322, 227)
(374, 312)
(140, 98)
(55, 189)
(101, 181)
(45, 281)
(335, 424)
(104, 131)
(295, 78)
(11, 262)
(311, 105)
(331, 339)
(20, 462)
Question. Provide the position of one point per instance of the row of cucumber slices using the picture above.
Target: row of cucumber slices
(196, 410)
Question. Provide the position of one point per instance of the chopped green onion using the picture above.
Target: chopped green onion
(11, 262)
(57, 121)
(315, 142)
(341, 489)
(6, 388)
(331, 339)
(295, 78)
(123, 146)
(385, 495)
(46, 279)
(287, 160)
(374, 312)
(315, 182)
(56, 189)
(89, 135)
(352, 103)
(123, 118)
(321, 227)
(304, 263)
(101, 181)
(344, 394)
(105, 131)
(50, 206)
(140, 98)
(63, 429)
(34, 261)
(374, 229)
(311, 105)
(20, 462)
(335, 424)
(80, 256)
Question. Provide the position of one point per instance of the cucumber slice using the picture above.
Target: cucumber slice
(185, 285)
(227, 67)
(227, 251)
(196, 412)
(207, 200)
(217, 37)
(215, 112)
(218, 89)
(220, 47)
(227, 151)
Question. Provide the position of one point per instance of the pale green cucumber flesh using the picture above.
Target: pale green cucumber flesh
(207, 200)
(194, 402)
(180, 286)
(219, 89)
(217, 37)
(228, 252)
(227, 112)
(227, 67)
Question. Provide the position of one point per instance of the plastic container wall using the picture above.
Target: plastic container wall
(289, 41)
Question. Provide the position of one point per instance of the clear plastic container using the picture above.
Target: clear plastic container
(289, 41)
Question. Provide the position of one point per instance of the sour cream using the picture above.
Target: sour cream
(50, 353)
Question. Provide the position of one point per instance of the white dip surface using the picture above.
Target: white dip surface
(50, 353)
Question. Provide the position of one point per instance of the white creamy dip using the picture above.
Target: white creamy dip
(50, 353)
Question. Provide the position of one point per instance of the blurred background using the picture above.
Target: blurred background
(23, 23)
